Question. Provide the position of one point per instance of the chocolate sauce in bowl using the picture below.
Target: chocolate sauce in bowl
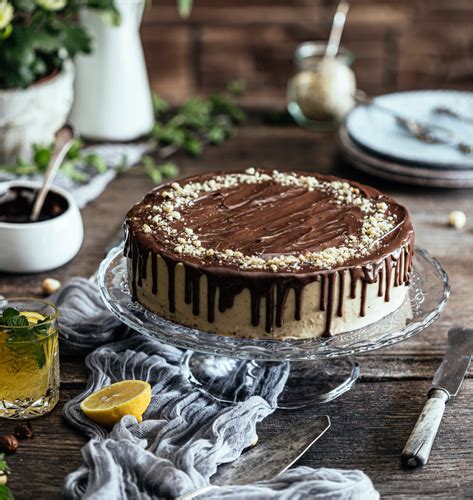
(17, 202)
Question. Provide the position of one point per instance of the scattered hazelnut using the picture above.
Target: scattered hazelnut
(457, 219)
(50, 286)
(24, 431)
(8, 443)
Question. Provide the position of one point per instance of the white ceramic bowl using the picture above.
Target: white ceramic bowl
(40, 246)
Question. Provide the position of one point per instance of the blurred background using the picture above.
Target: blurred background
(398, 45)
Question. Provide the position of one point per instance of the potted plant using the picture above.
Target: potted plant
(38, 39)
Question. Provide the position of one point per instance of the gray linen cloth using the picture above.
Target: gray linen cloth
(116, 156)
(185, 435)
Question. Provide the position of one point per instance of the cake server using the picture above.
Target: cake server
(445, 385)
(269, 459)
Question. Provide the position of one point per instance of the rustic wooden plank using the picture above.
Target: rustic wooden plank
(168, 53)
(262, 56)
(41, 464)
(382, 365)
(369, 428)
(432, 57)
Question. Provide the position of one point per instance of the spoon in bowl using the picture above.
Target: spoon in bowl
(64, 139)
(333, 44)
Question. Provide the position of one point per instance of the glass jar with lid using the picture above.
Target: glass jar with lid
(320, 93)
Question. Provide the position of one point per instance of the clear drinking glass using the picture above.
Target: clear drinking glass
(320, 92)
(29, 358)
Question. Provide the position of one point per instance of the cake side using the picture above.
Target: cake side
(301, 259)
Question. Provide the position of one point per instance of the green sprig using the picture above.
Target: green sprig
(5, 492)
(197, 123)
(25, 339)
(74, 166)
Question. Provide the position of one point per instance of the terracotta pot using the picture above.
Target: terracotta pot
(33, 115)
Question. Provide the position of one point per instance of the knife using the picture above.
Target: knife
(445, 385)
(269, 459)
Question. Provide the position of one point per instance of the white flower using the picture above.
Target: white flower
(6, 14)
(52, 4)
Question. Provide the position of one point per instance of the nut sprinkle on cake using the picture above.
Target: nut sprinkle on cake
(269, 254)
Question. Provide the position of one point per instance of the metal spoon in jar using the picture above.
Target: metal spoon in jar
(64, 139)
(338, 24)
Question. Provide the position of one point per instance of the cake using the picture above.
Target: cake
(269, 255)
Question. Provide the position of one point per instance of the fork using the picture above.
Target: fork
(425, 132)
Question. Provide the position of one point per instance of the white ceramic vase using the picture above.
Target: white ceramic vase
(112, 93)
(34, 115)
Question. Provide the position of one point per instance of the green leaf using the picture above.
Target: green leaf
(9, 312)
(159, 104)
(108, 11)
(42, 156)
(123, 165)
(192, 146)
(236, 87)
(3, 464)
(96, 161)
(184, 8)
(5, 493)
(16, 321)
(154, 174)
(216, 135)
(26, 339)
(74, 39)
(25, 5)
(75, 149)
(169, 169)
(69, 169)
(169, 134)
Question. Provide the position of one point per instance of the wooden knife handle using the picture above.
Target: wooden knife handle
(417, 450)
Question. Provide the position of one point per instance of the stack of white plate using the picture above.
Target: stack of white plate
(374, 142)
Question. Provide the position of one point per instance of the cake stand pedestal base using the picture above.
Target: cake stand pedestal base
(303, 383)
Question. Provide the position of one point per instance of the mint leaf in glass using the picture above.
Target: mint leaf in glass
(25, 339)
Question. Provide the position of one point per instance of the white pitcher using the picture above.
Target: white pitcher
(112, 94)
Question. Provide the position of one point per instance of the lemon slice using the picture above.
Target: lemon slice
(33, 317)
(110, 404)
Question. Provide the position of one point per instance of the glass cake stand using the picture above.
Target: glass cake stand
(312, 370)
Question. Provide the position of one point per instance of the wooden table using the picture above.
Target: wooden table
(371, 423)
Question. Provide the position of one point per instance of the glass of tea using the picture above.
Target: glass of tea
(29, 358)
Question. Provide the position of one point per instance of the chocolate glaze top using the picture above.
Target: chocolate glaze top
(269, 221)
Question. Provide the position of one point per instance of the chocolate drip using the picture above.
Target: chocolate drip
(323, 292)
(211, 293)
(255, 306)
(154, 274)
(171, 264)
(330, 304)
(353, 282)
(298, 291)
(380, 281)
(387, 288)
(282, 291)
(192, 288)
(269, 311)
(134, 268)
(341, 293)
(364, 287)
